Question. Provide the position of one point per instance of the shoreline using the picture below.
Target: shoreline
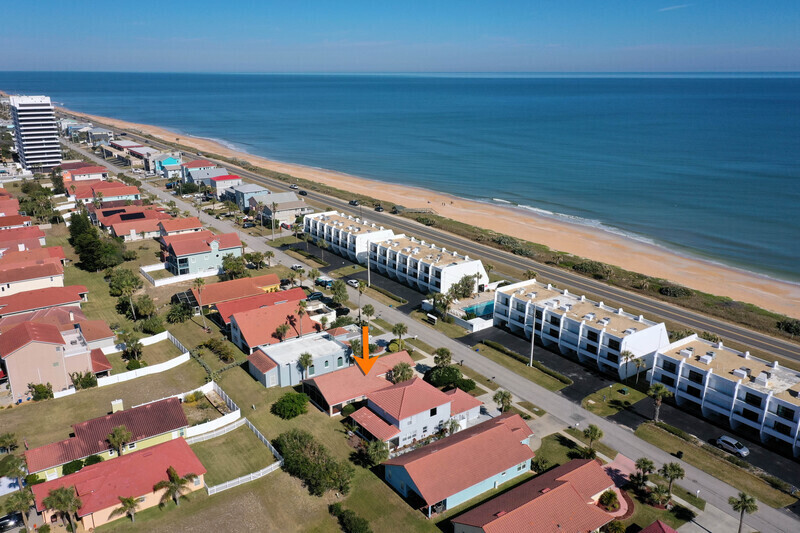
(587, 241)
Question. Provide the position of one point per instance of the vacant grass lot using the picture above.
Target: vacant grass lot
(716, 466)
(50, 420)
(611, 400)
(281, 241)
(451, 330)
(232, 455)
(558, 449)
(528, 372)
(346, 271)
(599, 446)
(153, 354)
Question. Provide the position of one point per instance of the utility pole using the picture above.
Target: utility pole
(533, 341)
(369, 253)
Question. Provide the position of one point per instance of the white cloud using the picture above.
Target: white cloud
(673, 8)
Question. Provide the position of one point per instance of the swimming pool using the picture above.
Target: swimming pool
(481, 309)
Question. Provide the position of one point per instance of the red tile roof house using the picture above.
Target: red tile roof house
(332, 391)
(111, 191)
(38, 254)
(9, 206)
(14, 221)
(100, 486)
(137, 230)
(201, 254)
(197, 164)
(167, 241)
(149, 424)
(562, 499)
(16, 278)
(408, 412)
(178, 226)
(450, 471)
(19, 239)
(227, 309)
(258, 327)
(42, 299)
(96, 333)
(42, 353)
(112, 212)
(84, 173)
(226, 291)
(221, 184)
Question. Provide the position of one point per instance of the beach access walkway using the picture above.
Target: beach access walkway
(714, 491)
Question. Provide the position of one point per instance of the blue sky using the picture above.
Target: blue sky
(408, 36)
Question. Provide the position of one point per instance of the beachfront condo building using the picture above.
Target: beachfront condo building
(425, 266)
(346, 235)
(36, 132)
(727, 384)
(600, 335)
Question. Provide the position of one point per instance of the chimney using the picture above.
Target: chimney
(71, 316)
(21, 247)
(116, 406)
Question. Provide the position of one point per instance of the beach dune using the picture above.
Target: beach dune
(597, 244)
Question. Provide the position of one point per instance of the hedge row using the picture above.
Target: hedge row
(536, 364)
(388, 294)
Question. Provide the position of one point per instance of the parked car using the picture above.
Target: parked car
(11, 522)
(248, 225)
(303, 193)
(284, 225)
(731, 445)
(353, 202)
(315, 296)
(380, 209)
(342, 311)
(324, 282)
(294, 186)
(297, 266)
(353, 283)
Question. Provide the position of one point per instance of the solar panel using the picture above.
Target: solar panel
(132, 216)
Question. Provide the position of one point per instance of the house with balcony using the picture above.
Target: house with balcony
(734, 386)
(200, 168)
(220, 185)
(282, 207)
(346, 235)
(201, 253)
(241, 194)
(598, 334)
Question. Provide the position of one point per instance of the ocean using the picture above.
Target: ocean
(704, 165)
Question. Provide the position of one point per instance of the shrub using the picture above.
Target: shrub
(675, 431)
(40, 392)
(290, 405)
(675, 291)
(134, 364)
(465, 384)
(179, 313)
(92, 460)
(152, 325)
(129, 255)
(349, 521)
(310, 461)
(593, 268)
(219, 347)
(33, 479)
(778, 483)
(609, 500)
(348, 410)
(388, 294)
(72, 467)
(443, 376)
(393, 347)
(83, 380)
(194, 396)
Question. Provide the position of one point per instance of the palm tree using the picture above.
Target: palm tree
(314, 273)
(307, 238)
(20, 502)
(368, 311)
(626, 356)
(323, 320)
(281, 331)
(361, 288)
(659, 495)
(274, 208)
(119, 437)
(442, 357)
(402, 372)
(302, 310)
(658, 391)
(323, 245)
(15, 469)
(268, 255)
(174, 486)
(529, 274)
(99, 198)
(65, 501)
(198, 285)
(292, 277)
(640, 363)
(301, 275)
(128, 506)
(305, 360)
(744, 504)
(8, 442)
(503, 400)
(615, 526)
(672, 471)
(645, 465)
(399, 330)
(592, 433)
(489, 267)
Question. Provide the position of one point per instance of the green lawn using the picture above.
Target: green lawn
(311, 261)
(346, 271)
(422, 345)
(383, 298)
(479, 378)
(153, 354)
(535, 409)
(232, 455)
(558, 449)
(451, 330)
(679, 491)
(611, 400)
(644, 515)
(716, 466)
(599, 446)
(384, 325)
(281, 241)
(528, 372)
(50, 420)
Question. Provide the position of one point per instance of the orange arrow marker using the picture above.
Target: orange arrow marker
(365, 362)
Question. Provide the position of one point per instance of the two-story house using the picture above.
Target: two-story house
(201, 254)
(282, 207)
(599, 335)
(733, 386)
(179, 226)
(149, 424)
(241, 194)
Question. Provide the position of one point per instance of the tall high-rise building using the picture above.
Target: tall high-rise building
(36, 132)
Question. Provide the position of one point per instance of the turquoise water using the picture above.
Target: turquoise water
(481, 309)
(702, 165)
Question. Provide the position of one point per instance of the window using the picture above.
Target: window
(555, 320)
(197, 482)
(520, 467)
(433, 411)
(140, 499)
(785, 412)
(132, 446)
(520, 306)
(339, 362)
(311, 370)
(669, 366)
(752, 399)
(539, 315)
(592, 336)
(410, 421)
(424, 429)
(326, 364)
(694, 391)
(780, 427)
(613, 344)
(614, 358)
(668, 381)
(749, 415)
(695, 376)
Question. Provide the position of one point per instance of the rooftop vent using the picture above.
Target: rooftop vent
(763, 379)
(686, 352)
(629, 331)
(604, 321)
(706, 359)
(589, 316)
(116, 405)
(741, 373)
(711, 354)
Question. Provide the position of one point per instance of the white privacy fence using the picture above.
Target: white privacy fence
(144, 269)
(214, 433)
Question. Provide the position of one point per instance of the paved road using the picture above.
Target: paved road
(714, 491)
(656, 308)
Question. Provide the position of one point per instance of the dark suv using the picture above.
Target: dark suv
(11, 522)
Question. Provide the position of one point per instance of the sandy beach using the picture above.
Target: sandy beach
(775, 295)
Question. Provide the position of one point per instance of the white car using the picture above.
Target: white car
(731, 445)
(353, 283)
(297, 266)
(294, 186)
